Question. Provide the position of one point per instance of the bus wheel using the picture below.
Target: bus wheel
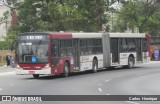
(66, 70)
(36, 75)
(130, 62)
(95, 65)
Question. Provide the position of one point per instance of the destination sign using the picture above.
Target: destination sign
(33, 37)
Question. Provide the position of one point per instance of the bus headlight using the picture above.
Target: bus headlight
(17, 66)
(47, 65)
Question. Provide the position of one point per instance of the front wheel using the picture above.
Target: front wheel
(130, 62)
(66, 70)
(36, 75)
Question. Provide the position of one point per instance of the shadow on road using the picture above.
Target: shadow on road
(45, 77)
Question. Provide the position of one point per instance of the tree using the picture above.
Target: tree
(61, 15)
(138, 14)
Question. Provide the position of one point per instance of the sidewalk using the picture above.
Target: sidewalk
(6, 69)
(153, 62)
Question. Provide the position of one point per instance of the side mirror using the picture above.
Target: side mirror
(12, 45)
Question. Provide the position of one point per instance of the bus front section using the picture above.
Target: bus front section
(32, 54)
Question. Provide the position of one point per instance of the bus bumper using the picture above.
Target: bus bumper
(28, 72)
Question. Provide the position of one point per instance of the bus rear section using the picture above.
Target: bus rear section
(128, 49)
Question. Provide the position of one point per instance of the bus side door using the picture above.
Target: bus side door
(139, 49)
(114, 50)
(76, 53)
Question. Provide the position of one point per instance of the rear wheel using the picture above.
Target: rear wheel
(66, 70)
(95, 65)
(36, 75)
(130, 62)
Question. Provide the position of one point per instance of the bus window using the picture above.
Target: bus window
(62, 48)
(69, 47)
(124, 47)
(55, 48)
(83, 47)
(97, 46)
(62, 52)
(90, 44)
(66, 47)
(145, 45)
(131, 45)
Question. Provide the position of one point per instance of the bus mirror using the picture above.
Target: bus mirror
(12, 45)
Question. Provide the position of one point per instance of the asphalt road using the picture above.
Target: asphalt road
(142, 80)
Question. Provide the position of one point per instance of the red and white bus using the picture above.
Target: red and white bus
(47, 53)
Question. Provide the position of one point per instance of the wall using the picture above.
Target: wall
(3, 54)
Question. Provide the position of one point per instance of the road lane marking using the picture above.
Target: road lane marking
(99, 84)
(30, 80)
(11, 84)
(1, 89)
(107, 80)
(100, 89)
(132, 102)
(141, 73)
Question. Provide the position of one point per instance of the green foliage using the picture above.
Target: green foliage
(61, 15)
(5, 45)
(139, 14)
(58, 15)
(84, 15)
(27, 16)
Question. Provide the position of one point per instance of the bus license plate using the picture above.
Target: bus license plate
(31, 72)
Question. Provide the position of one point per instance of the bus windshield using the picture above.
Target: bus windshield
(32, 51)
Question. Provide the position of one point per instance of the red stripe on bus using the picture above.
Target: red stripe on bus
(61, 35)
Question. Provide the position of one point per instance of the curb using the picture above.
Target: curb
(153, 62)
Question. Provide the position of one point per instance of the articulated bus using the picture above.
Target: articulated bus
(47, 53)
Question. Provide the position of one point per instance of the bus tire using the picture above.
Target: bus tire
(66, 70)
(36, 75)
(130, 62)
(95, 66)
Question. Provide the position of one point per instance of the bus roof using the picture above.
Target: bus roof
(86, 35)
(117, 35)
(131, 35)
